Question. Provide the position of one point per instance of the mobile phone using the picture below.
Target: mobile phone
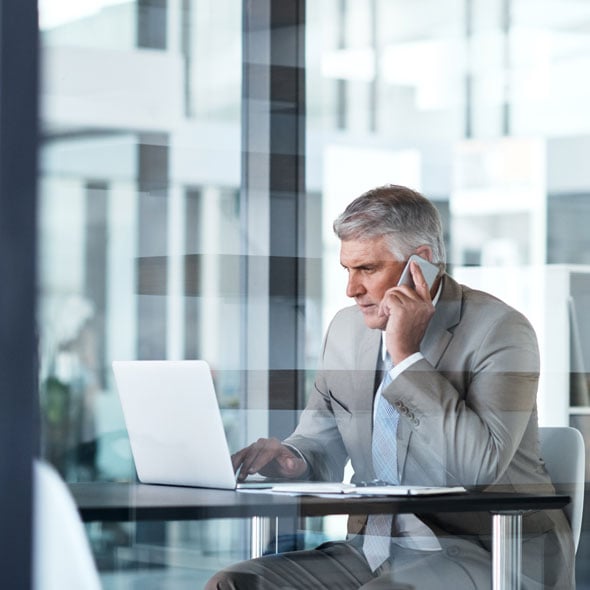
(429, 270)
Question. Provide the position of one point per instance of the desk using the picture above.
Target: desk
(139, 502)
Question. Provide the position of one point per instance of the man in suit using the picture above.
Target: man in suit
(429, 386)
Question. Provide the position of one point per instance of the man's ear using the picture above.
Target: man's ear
(425, 252)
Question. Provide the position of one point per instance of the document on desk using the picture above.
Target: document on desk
(334, 488)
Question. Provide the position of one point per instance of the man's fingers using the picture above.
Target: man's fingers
(260, 460)
(243, 460)
(392, 297)
(238, 457)
(420, 282)
(255, 458)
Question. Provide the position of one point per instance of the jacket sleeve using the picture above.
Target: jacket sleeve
(317, 436)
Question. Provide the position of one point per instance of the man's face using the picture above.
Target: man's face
(372, 269)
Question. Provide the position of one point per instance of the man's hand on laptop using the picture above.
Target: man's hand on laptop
(270, 458)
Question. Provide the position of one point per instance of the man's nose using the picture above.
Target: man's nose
(354, 287)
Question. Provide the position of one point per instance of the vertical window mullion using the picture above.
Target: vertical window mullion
(273, 165)
(18, 205)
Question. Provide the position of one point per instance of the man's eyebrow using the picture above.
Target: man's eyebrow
(361, 266)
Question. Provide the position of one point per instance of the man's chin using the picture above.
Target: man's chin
(375, 323)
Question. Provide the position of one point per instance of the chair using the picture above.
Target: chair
(563, 450)
(62, 554)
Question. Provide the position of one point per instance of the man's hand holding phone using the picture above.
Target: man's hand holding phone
(409, 309)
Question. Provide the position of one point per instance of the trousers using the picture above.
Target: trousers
(341, 565)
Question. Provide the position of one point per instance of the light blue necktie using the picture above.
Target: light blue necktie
(384, 445)
(377, 540)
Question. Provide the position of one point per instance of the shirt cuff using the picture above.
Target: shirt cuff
(405, 364)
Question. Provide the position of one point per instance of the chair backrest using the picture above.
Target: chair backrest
(62, 554)
(563, 450)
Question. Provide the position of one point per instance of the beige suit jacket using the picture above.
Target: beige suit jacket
(467, 414)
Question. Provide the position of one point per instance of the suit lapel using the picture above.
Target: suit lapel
(367, 361)
(447, 315)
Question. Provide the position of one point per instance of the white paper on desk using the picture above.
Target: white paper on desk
(314, 487)
(318, 487)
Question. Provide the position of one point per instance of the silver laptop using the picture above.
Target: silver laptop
(174, 423)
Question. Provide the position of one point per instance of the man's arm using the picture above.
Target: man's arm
(315, 449)
(318, 439)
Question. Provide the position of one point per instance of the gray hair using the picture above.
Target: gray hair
(406, 218)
